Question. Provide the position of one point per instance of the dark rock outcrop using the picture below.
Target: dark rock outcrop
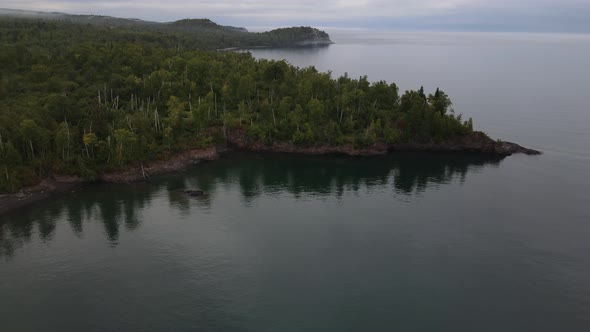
(476, 142)
(508, 148)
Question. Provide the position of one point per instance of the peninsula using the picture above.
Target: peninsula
(86, 98)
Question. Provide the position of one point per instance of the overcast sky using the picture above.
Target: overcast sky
(468, 15)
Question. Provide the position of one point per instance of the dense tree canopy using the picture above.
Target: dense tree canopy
(82, 99)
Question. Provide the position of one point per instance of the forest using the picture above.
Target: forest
(83, 99)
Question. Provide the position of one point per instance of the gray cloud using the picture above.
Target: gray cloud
(470, 14)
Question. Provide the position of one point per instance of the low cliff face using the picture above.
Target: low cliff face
(476, 142)
(376, 149)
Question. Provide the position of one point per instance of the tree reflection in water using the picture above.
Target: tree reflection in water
(252, 175)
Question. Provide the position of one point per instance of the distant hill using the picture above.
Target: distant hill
(84, 19)
(227, 36)
(203, 24)
(186, 24)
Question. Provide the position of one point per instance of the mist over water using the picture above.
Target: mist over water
(409, 242)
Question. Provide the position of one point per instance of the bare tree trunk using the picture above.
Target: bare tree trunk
(129, 124)
(120, 153)
(274, 120)
(68, 128)
(156, 120)
(32, 150)
(143, 172)
(109, 156)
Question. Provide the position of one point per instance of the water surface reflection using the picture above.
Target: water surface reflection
(250, 175)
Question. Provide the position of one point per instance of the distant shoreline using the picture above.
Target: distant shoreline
(310, 44)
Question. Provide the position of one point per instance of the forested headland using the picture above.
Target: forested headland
(89, 98)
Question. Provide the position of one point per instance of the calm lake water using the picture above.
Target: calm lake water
(407, 242)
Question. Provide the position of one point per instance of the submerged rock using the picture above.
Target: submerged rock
(194, 193)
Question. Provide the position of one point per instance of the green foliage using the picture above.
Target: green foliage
(83, 99)
(303, 138)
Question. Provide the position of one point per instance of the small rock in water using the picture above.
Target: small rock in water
(194, 193)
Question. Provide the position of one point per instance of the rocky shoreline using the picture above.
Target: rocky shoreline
(178, 162)
(62, 184)
(476, 143)
(45, 189)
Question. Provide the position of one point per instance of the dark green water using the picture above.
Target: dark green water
(408, 242)
(292, 243)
